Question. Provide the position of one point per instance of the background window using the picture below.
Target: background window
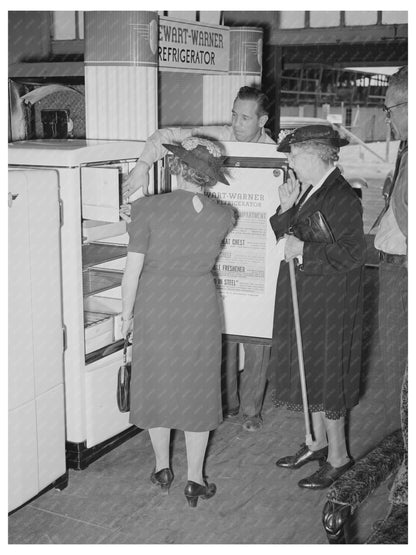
(360, 18)
(67, 25)
(183, 15)
(324, 19)
(394, 17)
(292, 20)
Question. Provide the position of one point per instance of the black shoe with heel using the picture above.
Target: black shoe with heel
(303, 456)
(193, 491)
(163, 479)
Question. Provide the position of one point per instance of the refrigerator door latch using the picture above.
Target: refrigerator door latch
(12, 197)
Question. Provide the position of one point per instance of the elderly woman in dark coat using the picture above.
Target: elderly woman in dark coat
(329, 281)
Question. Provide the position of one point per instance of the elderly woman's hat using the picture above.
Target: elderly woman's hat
(318, 133)
(200, 158)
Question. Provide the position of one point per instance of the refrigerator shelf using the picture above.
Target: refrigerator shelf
(96, 280)
(93, 318)
(93, 230)
(98, 329)
(98, 253)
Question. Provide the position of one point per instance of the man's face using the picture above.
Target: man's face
(247, 125)
(398, 114)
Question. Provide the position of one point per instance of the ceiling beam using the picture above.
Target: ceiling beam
(336, 35)
(345, 55)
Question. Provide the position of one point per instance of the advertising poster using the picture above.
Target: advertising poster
(247, 268)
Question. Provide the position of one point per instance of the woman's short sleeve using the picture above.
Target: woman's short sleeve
(138, 229)
(232, 218)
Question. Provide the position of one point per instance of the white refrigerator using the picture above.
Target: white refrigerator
(74, 324)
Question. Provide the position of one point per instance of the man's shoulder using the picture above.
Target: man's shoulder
(218, 132)
(265, 138)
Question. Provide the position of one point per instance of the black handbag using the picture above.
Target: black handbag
(313, 229)
(123, 381)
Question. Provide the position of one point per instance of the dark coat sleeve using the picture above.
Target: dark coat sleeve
(281, 222)
(343, 211)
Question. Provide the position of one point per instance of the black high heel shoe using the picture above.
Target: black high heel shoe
(193, 491)
(163, 479)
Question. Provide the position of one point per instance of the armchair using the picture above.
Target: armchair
(358, 483)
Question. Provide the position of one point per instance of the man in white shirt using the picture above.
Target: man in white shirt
(249, 116)
(391, 241)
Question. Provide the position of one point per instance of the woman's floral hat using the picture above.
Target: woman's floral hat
(201, 155)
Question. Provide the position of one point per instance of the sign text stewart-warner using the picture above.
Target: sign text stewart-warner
(193, 46)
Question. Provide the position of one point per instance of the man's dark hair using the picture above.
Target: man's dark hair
(250, 93)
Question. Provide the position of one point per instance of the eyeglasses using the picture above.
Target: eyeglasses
(387, 109)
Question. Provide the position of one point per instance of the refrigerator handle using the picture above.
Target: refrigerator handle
(64, 337)
(61, 213)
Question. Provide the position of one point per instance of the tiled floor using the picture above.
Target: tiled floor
(113, 501)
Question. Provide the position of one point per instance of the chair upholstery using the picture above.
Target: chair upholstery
(358, 483)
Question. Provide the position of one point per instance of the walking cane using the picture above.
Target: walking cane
(308, 437)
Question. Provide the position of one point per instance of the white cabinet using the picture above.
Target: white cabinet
(23, 455)
(36, 392)
(91, 253)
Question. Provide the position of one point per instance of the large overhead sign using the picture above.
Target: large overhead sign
(189, 46)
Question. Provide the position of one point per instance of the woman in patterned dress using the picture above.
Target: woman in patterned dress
(170, 303)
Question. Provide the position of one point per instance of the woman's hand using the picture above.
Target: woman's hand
(289, 192)
(125, 212)
(126, 327)
(293, 247)
(138, 177)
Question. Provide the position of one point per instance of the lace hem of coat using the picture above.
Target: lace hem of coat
(330, 414)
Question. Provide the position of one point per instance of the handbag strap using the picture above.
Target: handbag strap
(125, 347)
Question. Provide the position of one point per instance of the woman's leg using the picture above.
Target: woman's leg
(308, 453)
(319, 431)
(337, 446)
(160, 438)
(196, 444)
(337, 457)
